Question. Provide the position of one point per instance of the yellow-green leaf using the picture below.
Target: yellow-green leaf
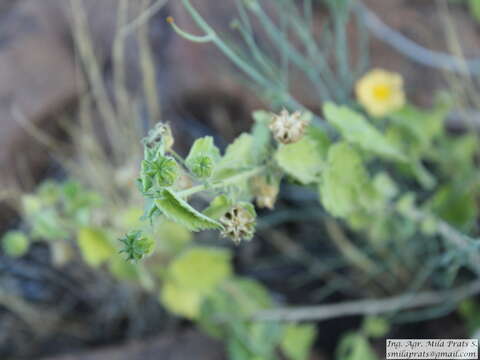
(94, 246)
(345, 186)
(302, 160)
(172, 237)
(181, 300)
(297, 341)
(238, 156)
(218, 207)
(475, 9)
(15, 243)
(201, 269)
(355, 128)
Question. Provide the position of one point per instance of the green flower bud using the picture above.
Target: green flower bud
(202, 167)
(136, 246)
(164, 170)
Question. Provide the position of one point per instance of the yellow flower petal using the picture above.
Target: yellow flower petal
(380, 92)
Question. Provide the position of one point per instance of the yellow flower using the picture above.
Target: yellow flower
(380, 92)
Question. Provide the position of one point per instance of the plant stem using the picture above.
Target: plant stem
(228, 181)
(369, 307)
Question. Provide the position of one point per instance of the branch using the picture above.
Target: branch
(369, 307)
(414, 51)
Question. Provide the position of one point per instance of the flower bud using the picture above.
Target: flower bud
(136, 245)
(161, 133)
(202, 167)
(265, 192)
(288, 128)
(164, 170)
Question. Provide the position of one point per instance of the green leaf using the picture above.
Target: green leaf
(475, 9)
(385, 185)
(179, 210)
(123, 270)
(345, 186)
(297, 341)
(264, 338)
(469, 310)
(201, 269)
(238, 156)
(238, 350)
(181, 300)
(253, 296)
(456, 205)
(355, 346)
(192, 276)
(302, 160)
(15, 243)
(94, 246)
(422, 125)
(355, 128)
(31, 204)
(218, 207)
(375, 326)
(48, 225)
(261, 135)
(172, 237)
(203, 157)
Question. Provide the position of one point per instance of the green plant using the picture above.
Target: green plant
(381, 189)
(355, 345)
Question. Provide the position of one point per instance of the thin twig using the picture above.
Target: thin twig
(369, 307)
(414, 51)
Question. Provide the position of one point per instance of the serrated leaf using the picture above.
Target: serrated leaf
(94, 246)
(345, 186)
(218, 207)
(355, 128)
(201, 269)
(297, 341)
(178, 210)
(302, 160)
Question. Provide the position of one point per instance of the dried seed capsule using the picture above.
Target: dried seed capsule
(288, 128)
(239, 223)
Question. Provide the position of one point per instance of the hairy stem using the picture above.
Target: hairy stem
(228, 181)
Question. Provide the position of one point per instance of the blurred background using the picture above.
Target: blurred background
(82, 82)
